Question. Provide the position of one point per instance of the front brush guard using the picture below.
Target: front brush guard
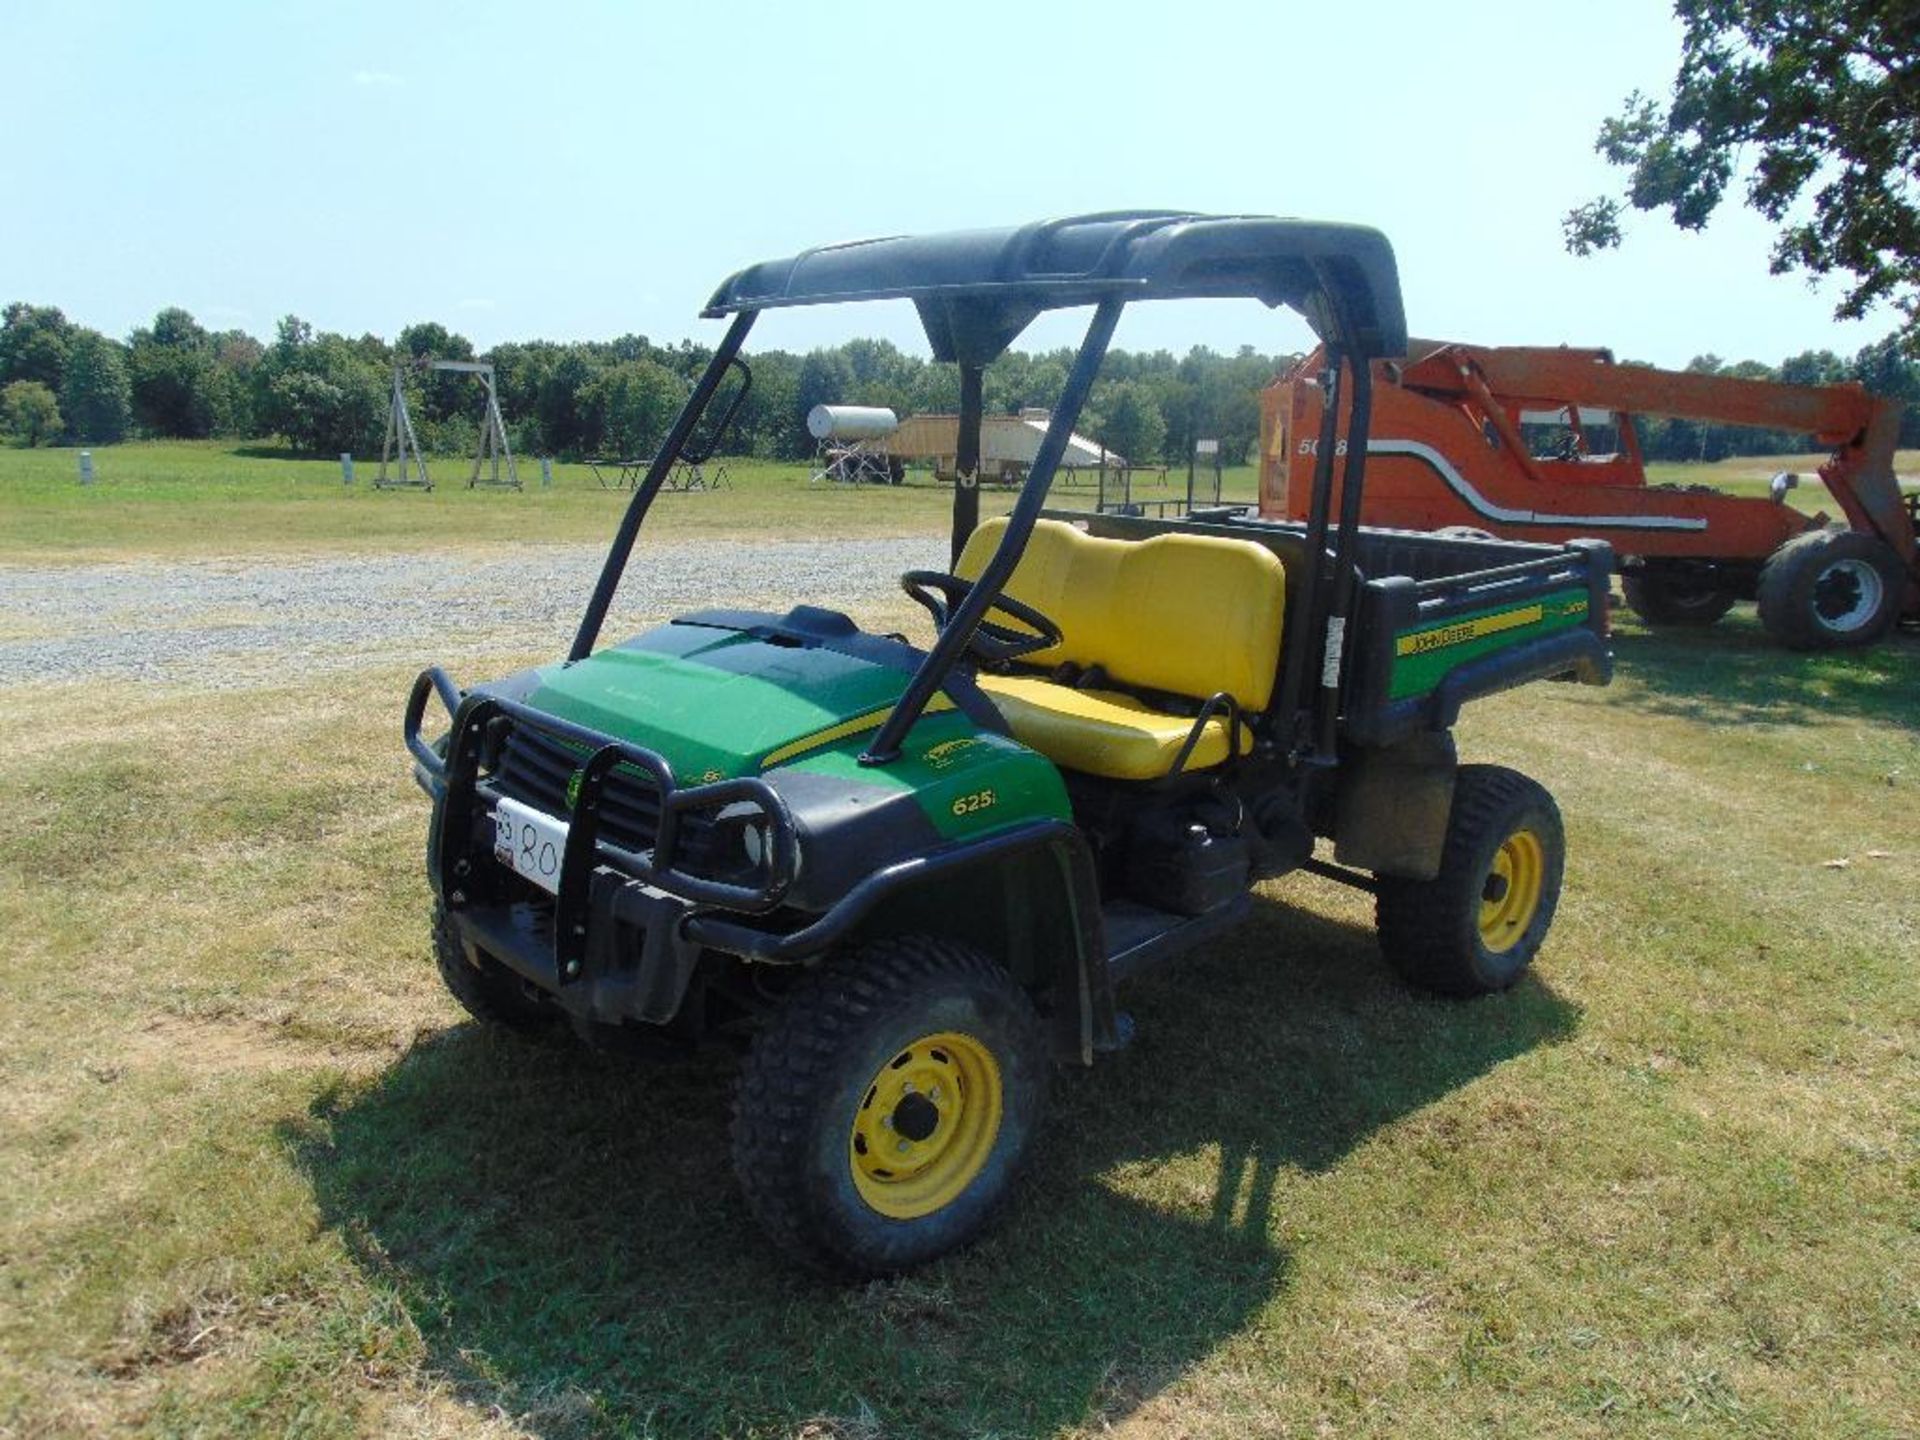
(451, 774)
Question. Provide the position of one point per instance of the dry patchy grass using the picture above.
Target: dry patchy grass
(259, 1176)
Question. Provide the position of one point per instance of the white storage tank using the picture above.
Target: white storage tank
(851, 422)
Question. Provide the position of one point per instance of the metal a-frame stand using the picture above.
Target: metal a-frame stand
(400, 433)
(852, 463)
(493, 446)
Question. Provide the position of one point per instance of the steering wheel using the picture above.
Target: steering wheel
(941, 594)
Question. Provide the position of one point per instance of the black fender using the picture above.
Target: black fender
(1028, 895)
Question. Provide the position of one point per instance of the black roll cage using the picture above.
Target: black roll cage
(977, 290)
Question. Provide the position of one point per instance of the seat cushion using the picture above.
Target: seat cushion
(1103, 732)
(1188, 614)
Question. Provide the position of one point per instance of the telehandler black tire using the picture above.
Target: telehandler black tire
(883, 1113)
(1475, 927)
(1830, 590)
(1665, 600)
(487, 992)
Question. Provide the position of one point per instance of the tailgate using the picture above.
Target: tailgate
(1426, 647)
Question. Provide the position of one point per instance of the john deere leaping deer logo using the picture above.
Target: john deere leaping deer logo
(943, 755)
(573, 788)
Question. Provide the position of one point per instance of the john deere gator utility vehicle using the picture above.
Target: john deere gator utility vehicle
(910, 879)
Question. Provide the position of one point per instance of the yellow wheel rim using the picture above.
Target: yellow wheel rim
(926, 1125)
(1511, 895)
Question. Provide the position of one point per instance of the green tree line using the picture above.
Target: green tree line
(322, 393)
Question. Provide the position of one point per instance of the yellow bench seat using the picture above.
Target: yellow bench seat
(1189, 615)
(1103, 732)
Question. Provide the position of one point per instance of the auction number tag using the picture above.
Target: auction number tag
(530, 843)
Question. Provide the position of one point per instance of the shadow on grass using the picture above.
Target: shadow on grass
(268, 450)
(1732, 672)
(264, 450)
(566, 1234)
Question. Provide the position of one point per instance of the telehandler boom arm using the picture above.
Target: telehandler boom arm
(1861, 428)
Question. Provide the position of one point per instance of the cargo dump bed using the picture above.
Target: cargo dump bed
(1439, 619)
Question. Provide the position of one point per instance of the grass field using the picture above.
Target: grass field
(258, 1176)
(218, 497)
(221, 497)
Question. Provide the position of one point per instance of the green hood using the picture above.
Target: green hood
(719, 703)
(796, 700)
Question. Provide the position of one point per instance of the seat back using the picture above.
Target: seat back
(1188, 614)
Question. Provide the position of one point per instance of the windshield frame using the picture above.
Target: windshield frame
(1319, 600)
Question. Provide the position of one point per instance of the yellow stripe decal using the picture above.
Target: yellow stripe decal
(859, 725)
(1418, 642)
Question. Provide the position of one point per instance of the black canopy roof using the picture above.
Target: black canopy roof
(977, 289)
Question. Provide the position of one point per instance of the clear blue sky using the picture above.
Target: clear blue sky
(577, 170)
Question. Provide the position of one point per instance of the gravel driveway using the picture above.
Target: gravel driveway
(235, 622)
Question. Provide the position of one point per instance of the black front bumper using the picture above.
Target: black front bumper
(613, 942)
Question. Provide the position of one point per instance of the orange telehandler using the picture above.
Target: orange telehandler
(1452, 447)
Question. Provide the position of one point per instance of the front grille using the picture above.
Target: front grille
(536, 769)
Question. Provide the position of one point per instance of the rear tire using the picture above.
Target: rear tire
(883, 1113)
(1666, 599)
(486, 991)
(1830, 590)
(1475, 927)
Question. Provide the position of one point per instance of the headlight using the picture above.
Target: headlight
(737, 848)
